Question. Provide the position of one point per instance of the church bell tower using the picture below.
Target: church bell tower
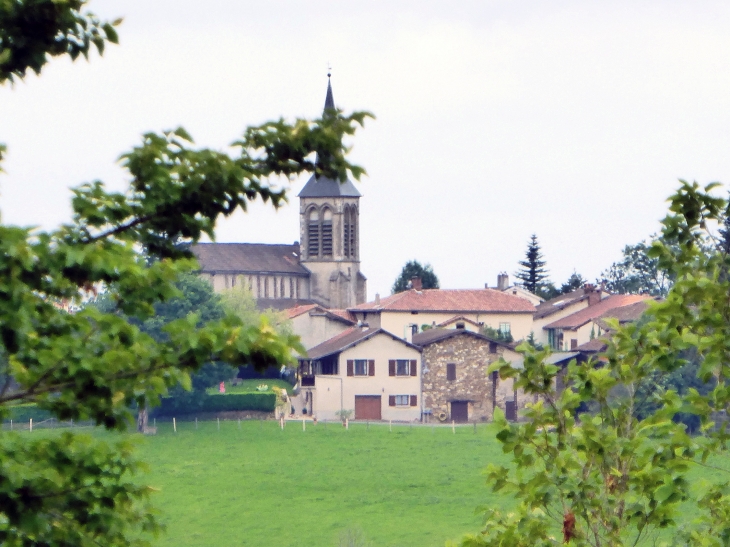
(329, 220)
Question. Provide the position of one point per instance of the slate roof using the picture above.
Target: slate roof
(431, 336)
(558, 303)
(580, 318)
(450, 301)
(249, 258)
(347, 339)
(322, 187)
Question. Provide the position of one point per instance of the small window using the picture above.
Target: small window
(402, 367)
(504, 328)
(402, 400)
(451, 372)
(361, 367)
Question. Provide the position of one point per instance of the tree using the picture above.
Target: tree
(413, 269)
(574, 282)
(74, 489)
(637, 273)
(533, 274)
(611, 476)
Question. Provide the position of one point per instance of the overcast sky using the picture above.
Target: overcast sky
(572, 120)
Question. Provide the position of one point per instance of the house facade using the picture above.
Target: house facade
(456, 383)
(368, 371)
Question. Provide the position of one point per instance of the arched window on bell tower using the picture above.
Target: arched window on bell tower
(346, 232)
(313, 233)
(349, 234)
(327, 232)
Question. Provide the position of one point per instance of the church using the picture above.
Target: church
(323, 269)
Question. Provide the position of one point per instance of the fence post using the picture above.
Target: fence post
(31, 424)
(11, 425)
(347, 423)
(174, 425)
(239, 423)
(196, 422)
(154, 423)
(390, 426)
(367, 427)
(453, 427)
(304, 427)
(475, 427)
(219, 423)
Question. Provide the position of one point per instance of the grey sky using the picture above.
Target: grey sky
(495, 119)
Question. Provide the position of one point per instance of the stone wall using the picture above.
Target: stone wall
(471, 357)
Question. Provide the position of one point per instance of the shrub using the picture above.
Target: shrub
(216, 403)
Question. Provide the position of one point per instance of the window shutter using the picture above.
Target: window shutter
(371, 368)
(414, 366)
(350, 367)
(391, 400)
(391, 368)
(414, 400)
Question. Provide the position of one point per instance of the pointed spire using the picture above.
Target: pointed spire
(329, 101)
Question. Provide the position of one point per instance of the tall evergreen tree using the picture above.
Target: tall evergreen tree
(533, 274)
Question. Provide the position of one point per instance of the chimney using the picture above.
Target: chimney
(502, 281)
(593, 293)
(377, 299)
(416, 284)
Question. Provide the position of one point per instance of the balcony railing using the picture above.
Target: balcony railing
(307, 381)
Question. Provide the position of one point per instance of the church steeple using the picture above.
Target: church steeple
(330, 236)
(329, 101)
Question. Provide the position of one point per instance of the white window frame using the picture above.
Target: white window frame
(407, 399)
(399, 362)
(505, 328)
(361, 362)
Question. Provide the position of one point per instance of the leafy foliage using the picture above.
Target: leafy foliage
(534, 275)
(613, 476)
(412, 269)
(637, 273)
(33, 30)
(96, 364)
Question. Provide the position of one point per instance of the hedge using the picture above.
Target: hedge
(216, 403)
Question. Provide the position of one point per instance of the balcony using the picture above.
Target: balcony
(307, 381)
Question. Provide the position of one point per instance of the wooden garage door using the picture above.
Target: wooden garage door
(460, 411)
(367, 407)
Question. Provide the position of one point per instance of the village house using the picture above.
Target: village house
(367, 370)
(410, 311)
(563, 306)
(569, 332)
(456, 383)
(315, 324)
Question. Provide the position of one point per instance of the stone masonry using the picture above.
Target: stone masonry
(471, 357)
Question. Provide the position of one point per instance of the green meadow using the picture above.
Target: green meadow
(261, 486)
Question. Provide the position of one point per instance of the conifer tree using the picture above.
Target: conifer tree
(533, 274)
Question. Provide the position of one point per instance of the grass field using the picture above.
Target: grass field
(249, 386)
(261, 486)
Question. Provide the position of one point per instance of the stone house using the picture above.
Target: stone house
(456, 385)
(367, 370)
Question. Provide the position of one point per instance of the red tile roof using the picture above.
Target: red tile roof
(451, 301)
(291, 313)
(348, 338)
(315, 309)
(580, 318)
